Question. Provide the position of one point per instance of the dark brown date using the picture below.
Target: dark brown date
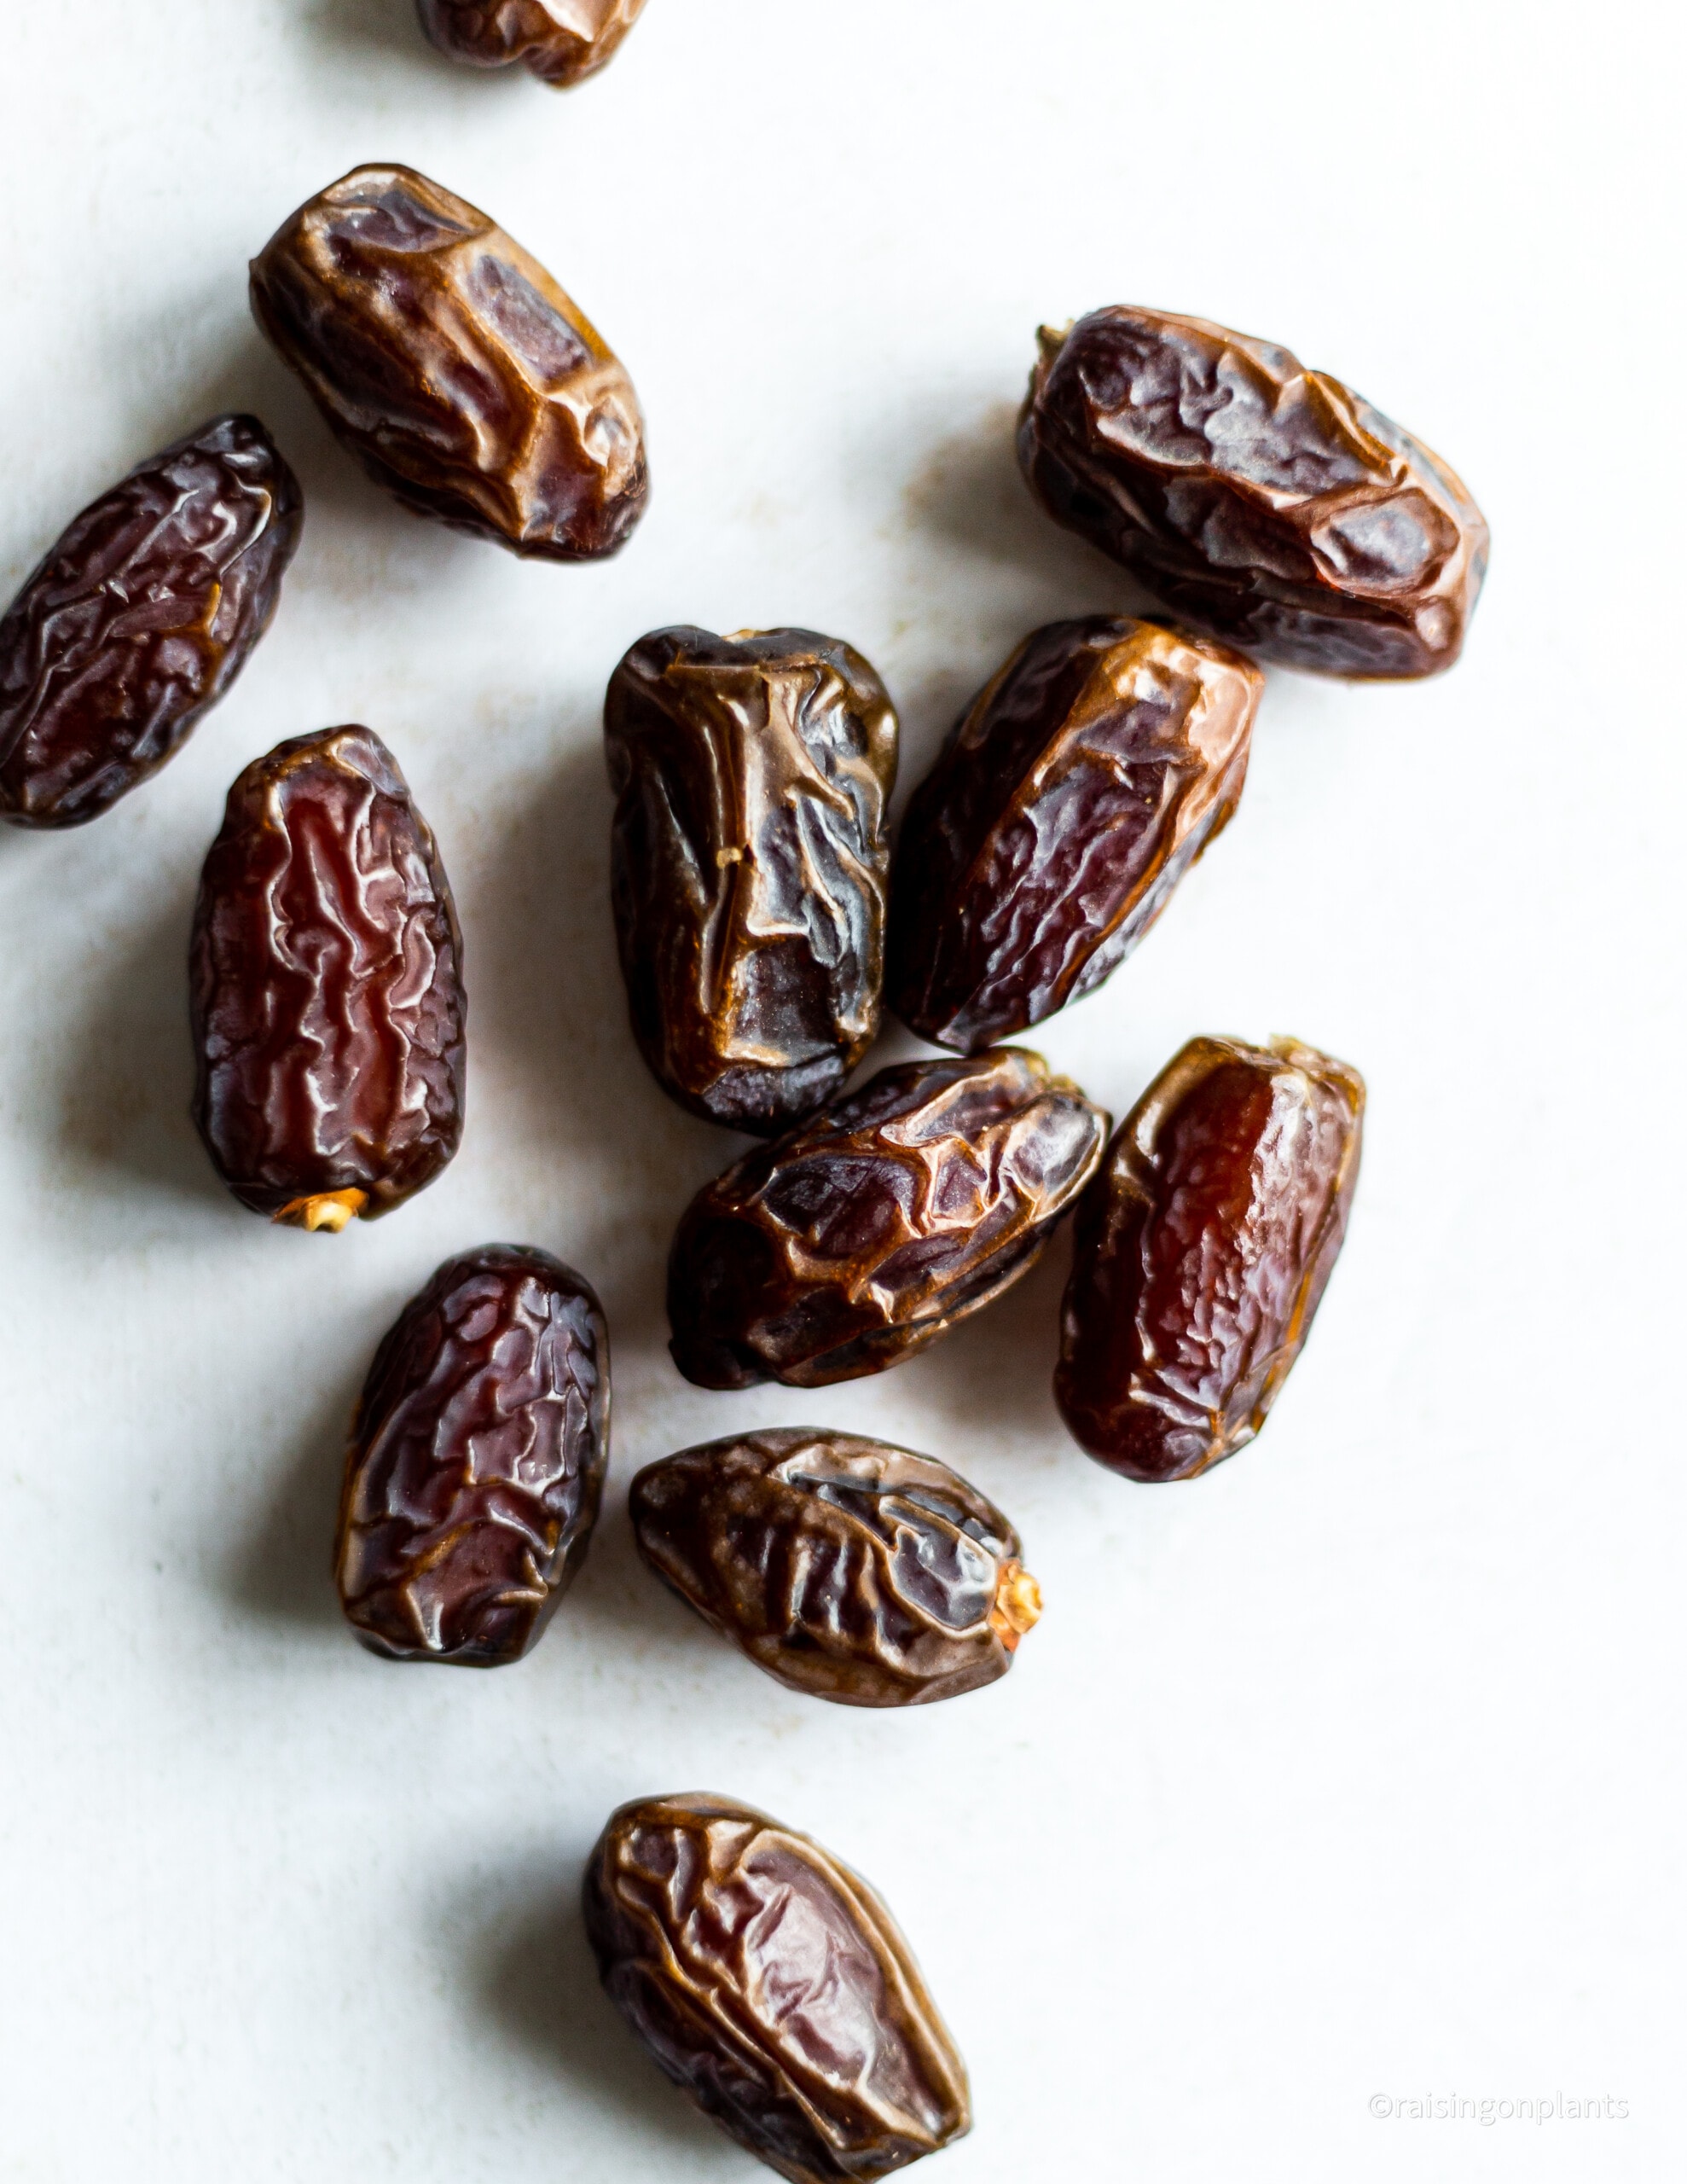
(845, 1567)
(771, 1984)
(139, 619)
(562, 41)
(1200, 1251)
(1070, 798)
(749, 864)
(477, 1458)
(452, 366)
(892, 1216)
(327, 988)
(1264, 504)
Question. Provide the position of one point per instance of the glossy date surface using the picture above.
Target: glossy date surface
(872, 1229)
(771, 1984)
(1073, 795)
(845, 1567)
(326, 987)
(138, 620)
(1264, 504)
(1201, 1250)
(450, 363)
(562, 41)
(476, 1464)
(749, 864)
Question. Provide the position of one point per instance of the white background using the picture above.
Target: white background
(1354, 1769)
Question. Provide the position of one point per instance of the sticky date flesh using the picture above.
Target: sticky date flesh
(771, 1984)
(326, 987)
(562, 41)
(139, 619)
(749, 864)
(1200, 1251)
(1070, 798)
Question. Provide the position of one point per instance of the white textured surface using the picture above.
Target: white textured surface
(1353, 1769)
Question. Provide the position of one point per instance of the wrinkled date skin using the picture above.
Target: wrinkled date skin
(476, 1465)
(749, 864)
(845, 1567)
(327, 988)
(139, 619)
(1265, 504)
(1071, 797)
(562, 41)
(770, 1983)
(452, 366)
(868, 1232)
(1200, 1251)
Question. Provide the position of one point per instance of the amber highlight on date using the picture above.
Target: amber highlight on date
(562, 41)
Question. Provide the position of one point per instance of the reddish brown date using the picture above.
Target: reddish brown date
(845, 1567)
(327, 988)
(1071, 797)
(771, 1984)
(139, 619)
(891, 1216)
(749, 864)
(477, 1458)
(1265, 504)
(452, 366)
(562, 41)
(1200, 1251)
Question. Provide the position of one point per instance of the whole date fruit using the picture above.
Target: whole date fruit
(327, 988)
(771, 1984)
(749, 864)
(1070, 798)
(139, 619)
(452, 366)
(1200, 1251)
(476, 1464)
(843, 1566)
(893, 1215)
(1263, 502)
(562, 41)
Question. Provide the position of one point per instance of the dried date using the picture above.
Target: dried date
(867, 1232)
(450, 363)
(475, 1466)
(1201, 1250)
(327, 988)
(1072, 796)
(562, 41)
(771, 1984)
(138, 620)
(1265, 504)
(749, 864)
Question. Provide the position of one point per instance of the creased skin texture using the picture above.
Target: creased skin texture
(476, 1464)
(1070, 798)
(846, 1568)
(749, 864)
(562, 41)
(1265, 504)
(452, 366)
(1201, 1250)
(326, 982)
(139, 619)
(864, 1234)
(771, 1984)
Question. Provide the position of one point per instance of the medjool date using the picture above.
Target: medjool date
(1071, 797)
(843, 1566)
(562, 41)
(1265, 504)
(475, 1466)
(864, 1234)
(749, 864)
(139, 619)
(770, 1983)
(452, 366)
(327, 988)
(1201, 1250)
